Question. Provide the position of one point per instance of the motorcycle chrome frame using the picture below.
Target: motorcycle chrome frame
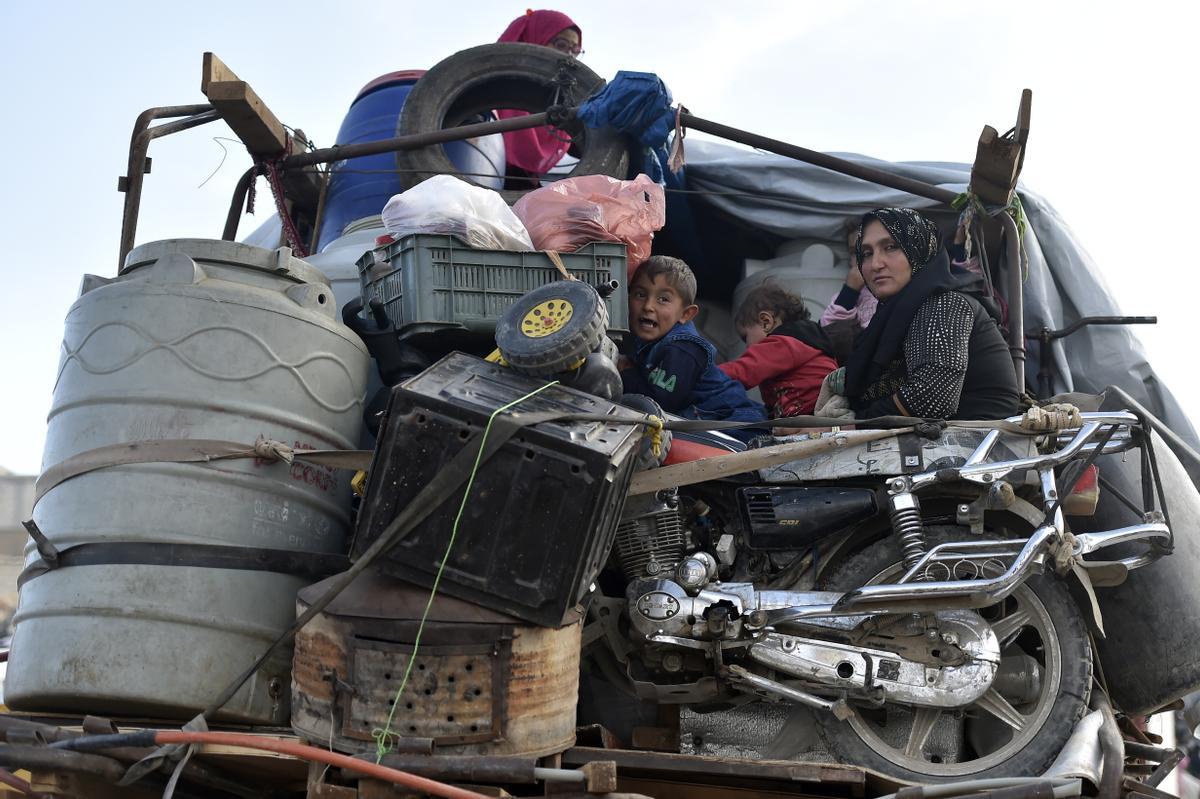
(912, 594)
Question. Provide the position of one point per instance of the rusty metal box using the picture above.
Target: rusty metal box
(542, 512)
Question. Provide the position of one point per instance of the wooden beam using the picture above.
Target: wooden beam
(998, 159)
(215, 71)
(727, 465)
(241, 107)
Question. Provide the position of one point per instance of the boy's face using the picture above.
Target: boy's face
(655, 307)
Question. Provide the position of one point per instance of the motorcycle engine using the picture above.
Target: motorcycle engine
(651, 537)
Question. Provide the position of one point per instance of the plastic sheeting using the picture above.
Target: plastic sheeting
(780, 198)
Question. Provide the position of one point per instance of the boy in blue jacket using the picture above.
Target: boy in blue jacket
(672, 362)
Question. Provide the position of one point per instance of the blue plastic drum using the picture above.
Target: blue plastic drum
(360, 187)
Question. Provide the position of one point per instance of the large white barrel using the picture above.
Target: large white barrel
(196, 340)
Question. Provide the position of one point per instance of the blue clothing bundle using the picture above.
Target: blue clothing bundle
(637, 104)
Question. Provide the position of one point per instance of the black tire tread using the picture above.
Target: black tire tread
(487, 77)
(559, 351)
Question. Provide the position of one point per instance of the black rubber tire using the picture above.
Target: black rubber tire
(476, 81)
(561, 350)
(1069, 706)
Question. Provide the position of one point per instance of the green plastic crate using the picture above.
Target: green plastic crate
(437, 280)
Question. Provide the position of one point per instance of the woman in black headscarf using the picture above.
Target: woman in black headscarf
(932, 349)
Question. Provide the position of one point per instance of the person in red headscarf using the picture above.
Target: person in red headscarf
(536, 150)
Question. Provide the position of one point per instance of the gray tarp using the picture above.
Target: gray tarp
(790, 199)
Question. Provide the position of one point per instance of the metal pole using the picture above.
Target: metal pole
(415, 140)
(1181, 448)
(1016, 298)
(139, 146)
(870, 174)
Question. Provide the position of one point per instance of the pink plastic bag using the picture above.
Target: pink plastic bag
(570, 213)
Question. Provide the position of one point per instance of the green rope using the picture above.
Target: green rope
(384, 736)
(968, 202)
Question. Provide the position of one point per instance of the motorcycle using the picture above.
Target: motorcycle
(922, 594)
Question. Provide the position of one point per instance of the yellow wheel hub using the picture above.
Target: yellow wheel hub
(546, 318)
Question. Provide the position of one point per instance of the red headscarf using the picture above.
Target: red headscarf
(535, 150)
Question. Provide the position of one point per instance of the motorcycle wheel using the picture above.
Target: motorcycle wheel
(993, 737)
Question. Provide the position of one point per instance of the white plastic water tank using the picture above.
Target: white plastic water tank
(194, 340)
(812, 272)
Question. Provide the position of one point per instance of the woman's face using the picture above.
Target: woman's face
(885, 267)
(566, 42)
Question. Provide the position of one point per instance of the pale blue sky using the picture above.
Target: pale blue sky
(1111, 144)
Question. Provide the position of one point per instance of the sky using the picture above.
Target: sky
(1110, 144)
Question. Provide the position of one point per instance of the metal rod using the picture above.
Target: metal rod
(417, 140)
(1099, 320)
(1046, 336)
(870, 174)
(238, 203)
(414, 141)
(139, 146)
(1016, 298)
(779, 689)
(1180, 447)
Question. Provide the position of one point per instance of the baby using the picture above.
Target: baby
(788, 355)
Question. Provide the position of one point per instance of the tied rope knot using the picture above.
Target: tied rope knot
(654, 431)
(271, 450)
(384, 741)
(676, 158)
(1047, 418)
(1064, 553)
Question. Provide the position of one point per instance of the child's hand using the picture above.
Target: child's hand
(854, 278)
(623, 363)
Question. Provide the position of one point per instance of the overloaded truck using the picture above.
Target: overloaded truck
(358, 508)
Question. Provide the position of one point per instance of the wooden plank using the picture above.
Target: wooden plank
(703, 769)
(681, 789)
(249, 117)
(214, 70)
(998, 159)
(718, 466)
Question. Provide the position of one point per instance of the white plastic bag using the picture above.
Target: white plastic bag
(445, 204)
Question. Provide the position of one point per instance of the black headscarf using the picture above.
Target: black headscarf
(879, 345)
(917, 236)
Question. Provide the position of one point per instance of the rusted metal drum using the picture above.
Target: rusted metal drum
(480, 683)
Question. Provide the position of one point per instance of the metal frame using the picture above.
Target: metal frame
(911, 594)
(139, 162)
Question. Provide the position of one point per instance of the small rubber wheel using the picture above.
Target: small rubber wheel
(552, 328)
(526, 77)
